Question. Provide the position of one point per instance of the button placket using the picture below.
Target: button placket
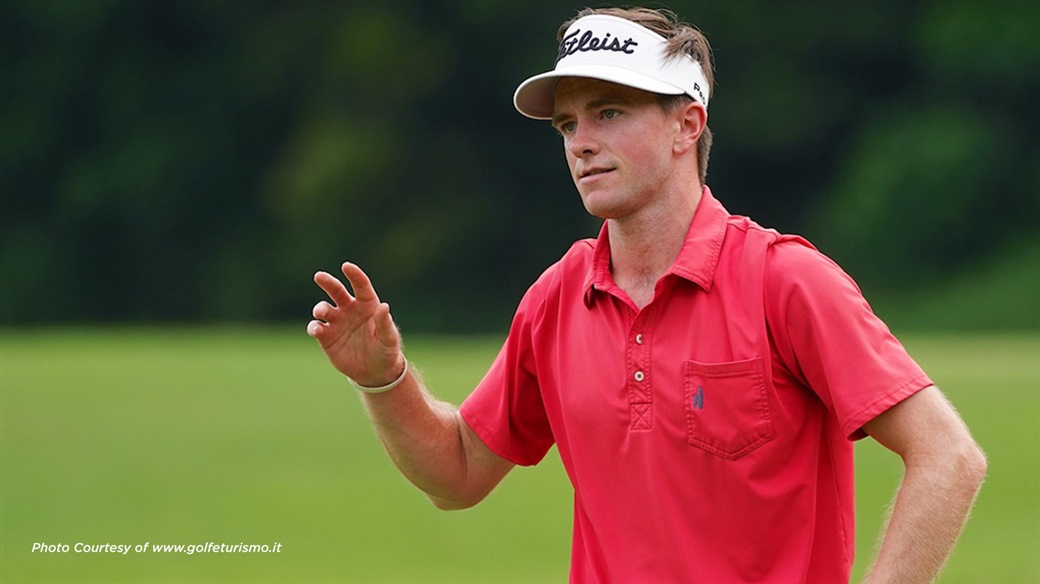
(640, 392)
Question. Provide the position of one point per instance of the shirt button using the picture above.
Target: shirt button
(639, 339)
(639, 376)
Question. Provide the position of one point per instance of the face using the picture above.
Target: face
(618, 142)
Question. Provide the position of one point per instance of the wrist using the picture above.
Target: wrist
(382, 388)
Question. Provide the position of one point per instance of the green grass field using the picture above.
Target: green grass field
(188, 436)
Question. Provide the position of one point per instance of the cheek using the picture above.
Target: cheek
(571, 161)
(652, 166)
(647, 158)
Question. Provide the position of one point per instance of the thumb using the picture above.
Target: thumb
(386, 330)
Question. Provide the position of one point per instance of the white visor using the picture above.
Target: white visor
(616, 50)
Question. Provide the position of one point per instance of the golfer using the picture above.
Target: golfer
(702, 377)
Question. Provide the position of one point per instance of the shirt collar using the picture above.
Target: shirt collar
(698, 258)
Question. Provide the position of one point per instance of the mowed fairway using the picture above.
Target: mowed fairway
(189, 436)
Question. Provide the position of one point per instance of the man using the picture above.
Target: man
(702, 377)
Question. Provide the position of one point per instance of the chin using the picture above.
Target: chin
(600, 205)
(604, 213)
(596, 210)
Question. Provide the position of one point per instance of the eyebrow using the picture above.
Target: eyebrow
(610, 99)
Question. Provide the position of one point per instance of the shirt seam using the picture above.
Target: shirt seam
(916, 383)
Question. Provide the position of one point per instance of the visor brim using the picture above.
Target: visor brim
(535, 97)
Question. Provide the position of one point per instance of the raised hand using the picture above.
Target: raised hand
(357, 334)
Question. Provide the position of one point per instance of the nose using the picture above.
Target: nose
(583, 141)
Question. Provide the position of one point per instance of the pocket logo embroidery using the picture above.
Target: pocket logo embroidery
(739, 420)
(698, 399)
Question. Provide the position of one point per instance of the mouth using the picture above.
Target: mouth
(594, 172)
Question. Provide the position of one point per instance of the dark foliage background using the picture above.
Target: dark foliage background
(198, 161)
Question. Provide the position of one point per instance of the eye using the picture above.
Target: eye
(566, 128)
(610, 114)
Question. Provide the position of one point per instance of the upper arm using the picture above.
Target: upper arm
(482, 467)
(924, 427)
(828, 338)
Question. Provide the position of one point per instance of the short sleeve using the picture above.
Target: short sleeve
(506, 409)
(828, 337)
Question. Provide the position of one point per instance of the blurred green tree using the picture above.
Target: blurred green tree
(192, 160)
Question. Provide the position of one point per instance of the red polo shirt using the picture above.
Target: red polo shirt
(708, 435)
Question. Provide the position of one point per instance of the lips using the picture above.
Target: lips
(594, 171)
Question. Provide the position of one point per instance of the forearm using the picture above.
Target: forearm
(424, 439)
(928, 514)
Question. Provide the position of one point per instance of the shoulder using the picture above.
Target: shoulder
(566, 275)
(575, 263)
(786, 258)
(795, 265)
(810, 296)
(579, 256)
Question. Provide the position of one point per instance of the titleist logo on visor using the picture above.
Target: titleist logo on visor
(615, 50)
(588, 42)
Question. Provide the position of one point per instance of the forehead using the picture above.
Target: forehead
(575, 93)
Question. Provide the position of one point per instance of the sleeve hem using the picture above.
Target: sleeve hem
(853, 424)
(488, 437)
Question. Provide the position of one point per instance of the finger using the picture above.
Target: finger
(333, 287)
(316, 328)
(323, 311)
(386, 331)
(363, 289)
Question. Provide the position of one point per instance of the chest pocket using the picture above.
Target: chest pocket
(727, 409)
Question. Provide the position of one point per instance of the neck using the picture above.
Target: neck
(644, 247)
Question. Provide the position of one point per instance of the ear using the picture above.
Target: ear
(692, 119)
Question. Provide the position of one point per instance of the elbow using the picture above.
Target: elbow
(458, 498)
(975, 465)
(960, 465)
(967, 467)
(455, 503)
(450, 505)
